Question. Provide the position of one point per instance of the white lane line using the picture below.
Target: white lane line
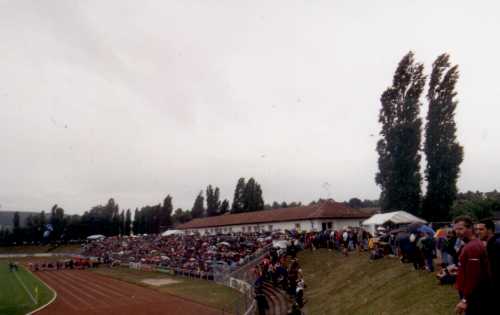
(66, 288)
(54, 293)
(24, 287)
(82, 290)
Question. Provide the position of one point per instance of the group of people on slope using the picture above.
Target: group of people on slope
(282, 272)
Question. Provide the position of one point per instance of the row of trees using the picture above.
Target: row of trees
(400, 148)
(59, 227)
(247, 197)
(477, 204)
(109, 220)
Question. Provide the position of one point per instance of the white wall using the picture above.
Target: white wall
(302, 225)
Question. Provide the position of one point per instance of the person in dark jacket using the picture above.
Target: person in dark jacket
(486, 231)
(473, 271)
(262, 304)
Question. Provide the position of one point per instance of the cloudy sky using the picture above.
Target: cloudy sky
(139, 99)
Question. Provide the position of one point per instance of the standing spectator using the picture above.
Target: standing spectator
(427, 246)
(449, 254)
(486, 231)
(473, 271)
(262, 304)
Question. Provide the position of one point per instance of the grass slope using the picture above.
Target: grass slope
(355, 285)
(14, 300)
(202, 291)
(35, 249)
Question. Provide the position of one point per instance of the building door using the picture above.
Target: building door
(323, 226)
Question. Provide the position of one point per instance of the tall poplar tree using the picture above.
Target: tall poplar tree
(252, 200)
(198, 210)
(443, 152)
(239, 195)
(128, 222)
(213, 201)
(399, 158)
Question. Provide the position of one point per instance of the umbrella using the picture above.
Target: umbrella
(224, 244)
(441, 233)
(426, 229)
(412, 228)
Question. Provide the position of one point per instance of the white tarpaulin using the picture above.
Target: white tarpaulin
(396, 217)
(172, 232)
(96, 237)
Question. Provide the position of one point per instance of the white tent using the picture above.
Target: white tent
(96, 237)
(172, 232)
(396, 217)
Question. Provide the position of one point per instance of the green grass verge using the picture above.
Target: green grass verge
(35, 249)
(356, 285)
(14, 300)
(202, 291)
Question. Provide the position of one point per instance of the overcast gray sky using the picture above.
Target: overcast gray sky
(139, 99)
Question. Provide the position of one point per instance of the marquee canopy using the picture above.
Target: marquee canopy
(397, 217)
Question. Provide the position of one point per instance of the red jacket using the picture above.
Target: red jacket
(473, 268)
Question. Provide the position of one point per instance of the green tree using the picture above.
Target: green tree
(180, 216)
(252, 197)
(30, 229)
(355, 203)
(198, 210)
(16, 228)
(476, 208)
(399, 158)
(239, 197)
(213, 201)
(58, 222)
(121, 225)
(128, 222)
(166, 213)
(444, 153)
(137, 222)
(224, 207)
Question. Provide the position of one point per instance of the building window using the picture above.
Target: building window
(297, 226)
(270, 227)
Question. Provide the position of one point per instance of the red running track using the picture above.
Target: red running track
(82, 292)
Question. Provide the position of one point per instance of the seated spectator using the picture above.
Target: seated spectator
(447, 274)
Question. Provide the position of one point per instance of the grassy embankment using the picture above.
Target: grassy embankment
(39, 249)
(356, 285)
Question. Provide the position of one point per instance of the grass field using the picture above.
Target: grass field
(201, 291)
(34, 249)
(14, 298)
(355, 285)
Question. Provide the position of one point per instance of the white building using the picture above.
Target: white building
(326, 215)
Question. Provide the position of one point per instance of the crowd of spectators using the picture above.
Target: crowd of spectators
(200, 254)
(55, 265)
(281, 267)
(466, 254)
(282, 270)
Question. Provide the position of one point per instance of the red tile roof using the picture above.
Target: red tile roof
(326, 210)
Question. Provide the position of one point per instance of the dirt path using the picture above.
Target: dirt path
(82, 292)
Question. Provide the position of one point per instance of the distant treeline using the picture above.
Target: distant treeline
(108, 219)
